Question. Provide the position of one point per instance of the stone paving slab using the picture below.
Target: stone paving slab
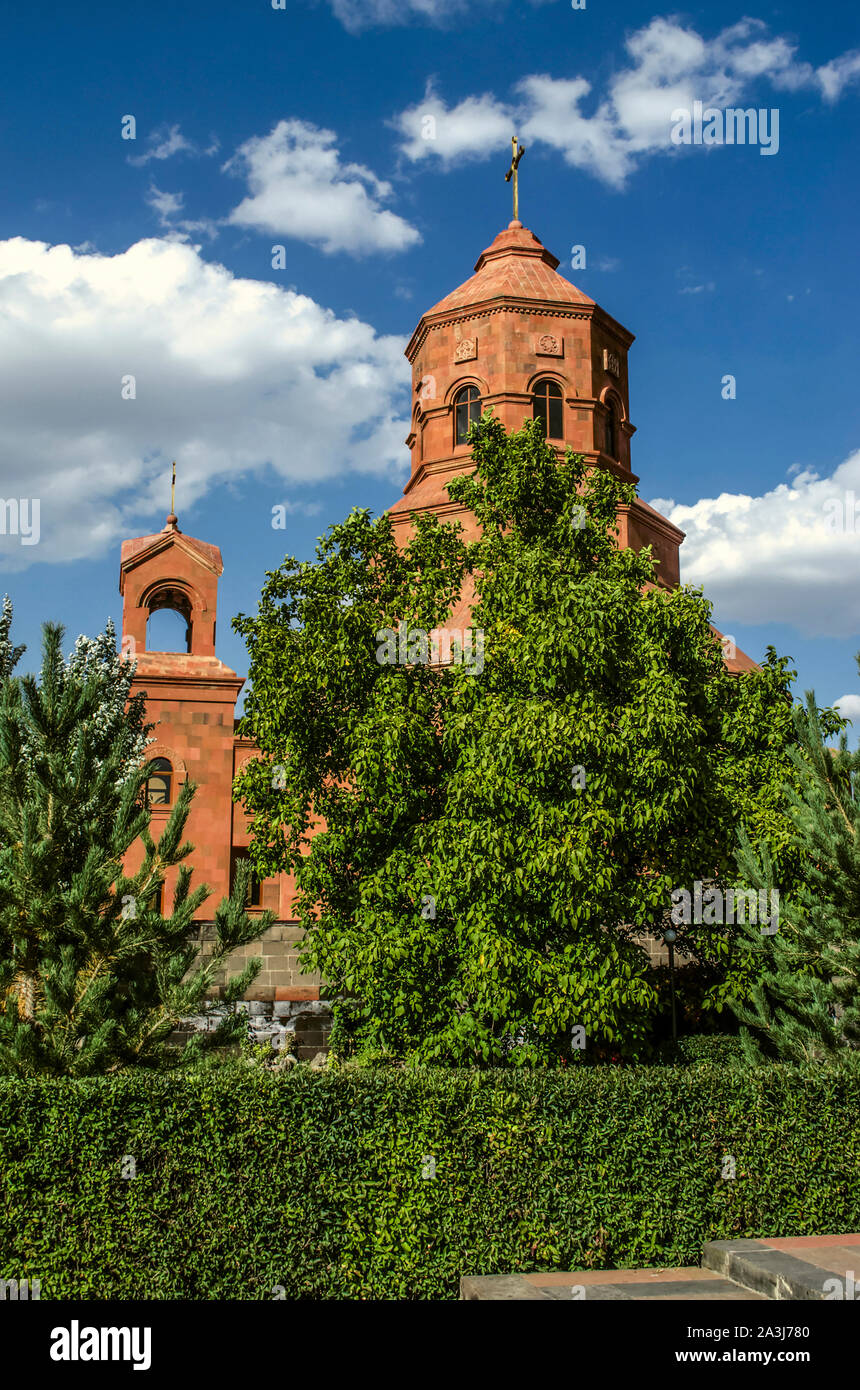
(801, 1268)
(669, 1290)
(789, 1267)
(811, 1242)
(624, 1285)
(617, 1276)
(836, 1259)
(484, 1287)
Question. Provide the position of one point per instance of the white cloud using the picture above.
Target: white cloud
(836, 75)
(168, 206)
(791, 555)
(849, 706)
(231, 375)
(551, 115)
(363, 14)
(356, 15)
(431, 128)
(165, 142)
(609, 133)
(299, 188)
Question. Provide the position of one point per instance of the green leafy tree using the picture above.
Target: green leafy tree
(805, 1003)
(93, 976)
(496, 840)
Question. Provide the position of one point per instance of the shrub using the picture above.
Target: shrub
(315, 1181)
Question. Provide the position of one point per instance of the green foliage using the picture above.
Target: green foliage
(468, 900)
(314, 1182)
(806, 1003)
(701, 1047)
(93, 977)
(96, 678)
(10, 655)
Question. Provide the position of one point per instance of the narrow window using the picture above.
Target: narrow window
(159, 783)
(549, 408)
(611, 432)
(467, 412)
(254, 896)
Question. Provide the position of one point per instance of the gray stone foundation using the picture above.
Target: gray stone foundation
(297, 1026)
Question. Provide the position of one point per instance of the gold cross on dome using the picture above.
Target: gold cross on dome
(513, 173)
(173, 492)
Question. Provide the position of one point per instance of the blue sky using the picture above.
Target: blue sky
(305, 127)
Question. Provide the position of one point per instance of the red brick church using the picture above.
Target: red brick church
(517, 338)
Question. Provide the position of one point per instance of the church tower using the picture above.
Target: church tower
(191, 699)
(523, 341)
(191, 695)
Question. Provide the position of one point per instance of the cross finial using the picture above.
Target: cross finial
(513, 173)
(171, 524)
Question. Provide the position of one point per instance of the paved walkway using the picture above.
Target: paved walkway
(791, 1267)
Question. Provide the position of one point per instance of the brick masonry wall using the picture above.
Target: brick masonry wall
(281, 978)
(658, 951)
(283, 1005)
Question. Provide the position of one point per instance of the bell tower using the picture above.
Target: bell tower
(190, 695)
(170, 570)
(519, 339)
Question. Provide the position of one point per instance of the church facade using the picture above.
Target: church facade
(516, 338)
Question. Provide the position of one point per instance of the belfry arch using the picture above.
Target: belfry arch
(170, 571)
(170, 598)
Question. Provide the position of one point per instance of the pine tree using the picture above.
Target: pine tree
(9, 654)
(806, 1003)
(93, 977)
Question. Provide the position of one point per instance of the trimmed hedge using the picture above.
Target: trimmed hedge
(313, 1181)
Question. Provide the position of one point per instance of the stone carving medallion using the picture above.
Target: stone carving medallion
(548, 345)
(611, 362)
(466, 349)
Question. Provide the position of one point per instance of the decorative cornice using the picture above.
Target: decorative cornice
(653, 519)
(193, 686)
(460, 465)
(552, 309)
(555, 309)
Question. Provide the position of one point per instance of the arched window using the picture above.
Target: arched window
(467, 412)
(611, 431)
(549, 408)
(159, 783)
